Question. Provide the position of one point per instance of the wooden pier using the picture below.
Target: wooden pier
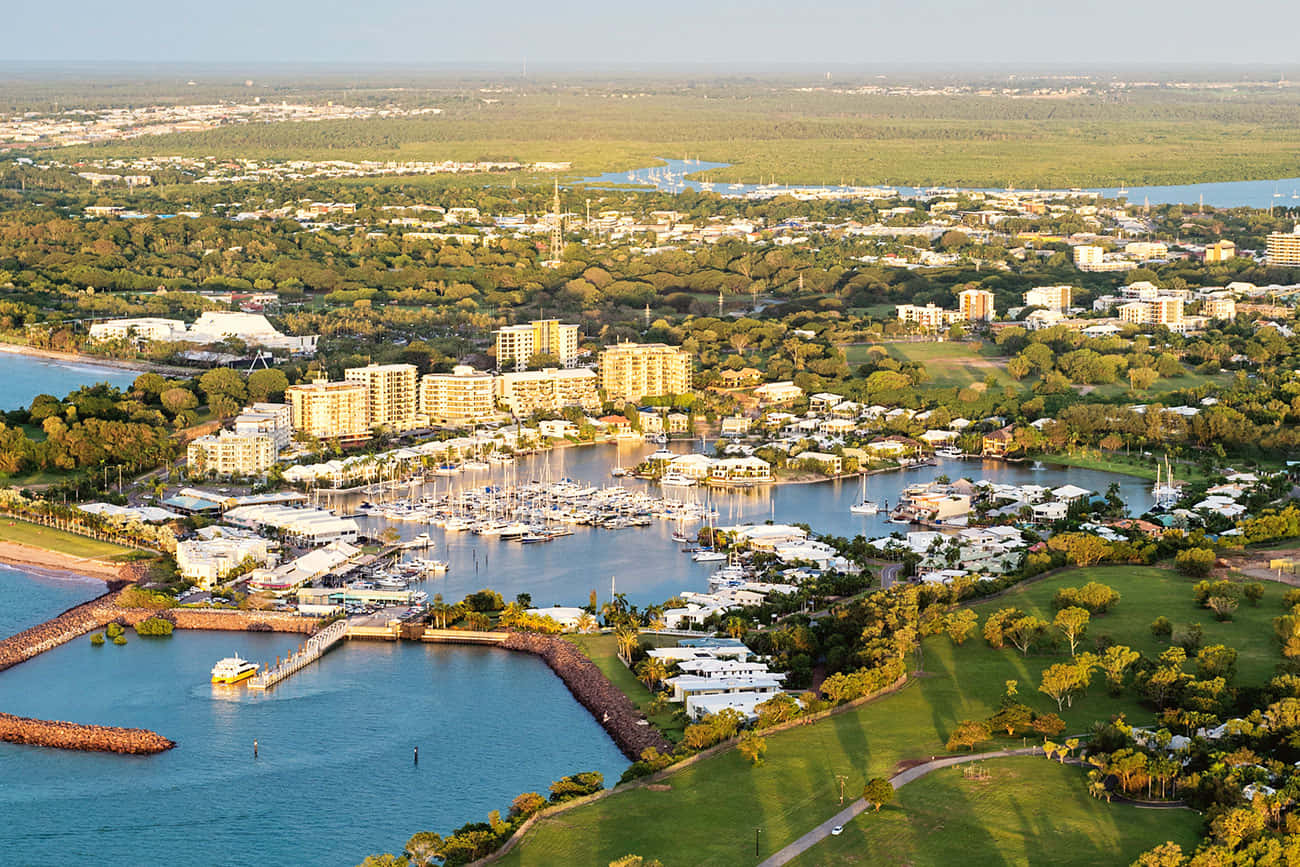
(311, 651)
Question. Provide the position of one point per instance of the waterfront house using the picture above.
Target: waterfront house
(999, 443)
(778, 392)
(743, 471)
(822, 462)
(735, 426)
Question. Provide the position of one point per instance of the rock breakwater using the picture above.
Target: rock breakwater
(615, 712)
(76, 736)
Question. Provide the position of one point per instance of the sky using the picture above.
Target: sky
(578, 33)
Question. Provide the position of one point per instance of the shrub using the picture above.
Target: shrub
(138, 597)
(1095, 597)
(1291, 598)
(1254, 592)
(1189, 637)
(576, 785)
(526, 804)
(1196, 562)
(97, 640)
(1161, 627)
(154, 626)
(119, 639)
(114, 629)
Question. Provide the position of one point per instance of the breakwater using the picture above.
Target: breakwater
(77, 736)
(96, 614)
(607, 704)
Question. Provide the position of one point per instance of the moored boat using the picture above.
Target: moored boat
(233, 669)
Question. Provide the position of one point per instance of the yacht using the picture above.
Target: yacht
(618, 472)
(708, 556)
(476, 465)
(677, 480)
(864, 506)
(949, 452)
(232, 669)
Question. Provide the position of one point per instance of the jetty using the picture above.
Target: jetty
(314, 648)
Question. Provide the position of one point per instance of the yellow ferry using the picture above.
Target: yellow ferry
(232, 669)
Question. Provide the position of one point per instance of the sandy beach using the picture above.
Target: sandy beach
(16, 554)
(76, 358)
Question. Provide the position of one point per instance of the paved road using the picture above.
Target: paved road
(822, 831)
(889, 574)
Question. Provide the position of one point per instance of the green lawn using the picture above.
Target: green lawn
(950, 365)
(602, 649)
(57, 540)
(1130, 465)
(710, 809)
(1029, 811)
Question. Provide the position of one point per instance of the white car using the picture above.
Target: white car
(837, 830)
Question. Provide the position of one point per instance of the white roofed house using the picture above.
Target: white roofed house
(740, 471)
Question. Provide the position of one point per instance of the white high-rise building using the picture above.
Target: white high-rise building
(463, 397)
(393, 397)
(517, 344)
(1049, 297)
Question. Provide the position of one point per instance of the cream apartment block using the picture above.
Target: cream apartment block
(1284, 249)
(1219, 307)
(392, 393)
(550, 390)
(272, 419)
(231, 454)
(928, 316)
(976, 305)
(330, 410)
(632, 371)
(464, 396)
(1049, 297)
(1162, 310)
(516, 344)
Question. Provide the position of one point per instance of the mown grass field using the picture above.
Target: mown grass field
(603, 650)
(57, 540)
(710, 809)
(950, 365)
(944, 818)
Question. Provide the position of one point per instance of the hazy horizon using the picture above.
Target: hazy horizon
(575, 36)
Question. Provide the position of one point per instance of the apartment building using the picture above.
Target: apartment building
(928, 316)
(632, 371)
(1087, 256)
(1162, 310)
(517, 344)
(976, 305)
(392, 395)
(330, 410)
(270, 419)
(230, 454)
(143, 328)
(1050, 297)
(1146, 250)
(1284, 249)
(551, 390)
(463, 397)
(1219, 307)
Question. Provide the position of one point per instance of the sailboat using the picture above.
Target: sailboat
(864, 506)
(1166, 495)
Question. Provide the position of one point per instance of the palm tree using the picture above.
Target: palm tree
(651, 672)
(736, 626)
(628, 640)
(586, 623)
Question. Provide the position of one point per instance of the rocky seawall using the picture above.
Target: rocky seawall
(615, 712)
(76, 736)
(96, 614)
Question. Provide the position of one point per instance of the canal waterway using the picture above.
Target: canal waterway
(644, 562)
(335, 778)
(25, 376)
(679, 175)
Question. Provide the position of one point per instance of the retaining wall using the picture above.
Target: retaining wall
(612, 709)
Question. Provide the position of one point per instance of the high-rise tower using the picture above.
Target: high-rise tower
(557, 228)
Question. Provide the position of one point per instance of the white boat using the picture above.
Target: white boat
(864, 506)
(677, 480)
(949, 452)
(233, 669)
(708, 556)
(618, 472)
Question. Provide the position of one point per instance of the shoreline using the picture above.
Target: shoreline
(95, 360)
(45, 560)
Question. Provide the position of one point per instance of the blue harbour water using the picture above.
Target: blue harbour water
(30, 596)
(678, 175)
(22, 377)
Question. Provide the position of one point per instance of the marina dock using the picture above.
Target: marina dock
(312, 650)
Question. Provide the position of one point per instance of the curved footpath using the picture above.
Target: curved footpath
(96, 614)
(822, 831)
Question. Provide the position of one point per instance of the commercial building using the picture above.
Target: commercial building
(271, 419)
(928, 316)
(252, 328)
(549, 390)
(1049, 297)
(1146, 250)
(306, 525)
(517, 344)
(1162, 310)
(976, 305)
(330, 410)
(1089, 257)
(1220, 251)
(146, 328)
(633, 371)
(208, 561)
(392, 395)
(464, 396)
(230, 454)
(1283, 249)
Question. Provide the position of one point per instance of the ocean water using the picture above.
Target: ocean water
(22, 377)
(32, 596)
(334, 779)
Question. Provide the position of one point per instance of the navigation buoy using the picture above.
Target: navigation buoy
(417, 755)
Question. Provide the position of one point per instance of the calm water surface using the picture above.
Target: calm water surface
(32, 596)
(22, 377)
